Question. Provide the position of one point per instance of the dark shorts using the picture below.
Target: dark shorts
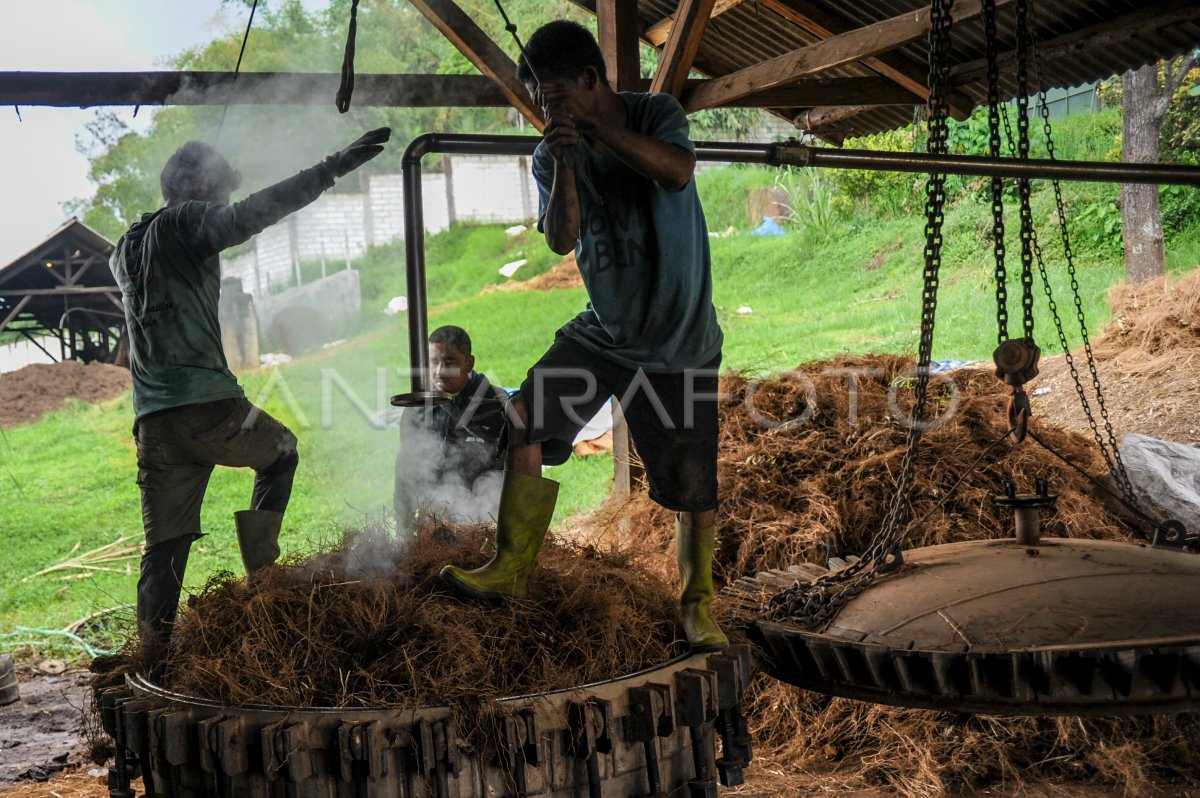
(672, 417)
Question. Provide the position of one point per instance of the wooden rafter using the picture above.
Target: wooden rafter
(845, 48)
(618, 26)
(85, 89)
(809, 92)
(658, 33)
(825, 24)
(680, 51)
(16, 311)
(818, 118)
(485, 54)
(63, 291)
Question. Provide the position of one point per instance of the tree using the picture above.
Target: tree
(1145, 103)
(268, 142)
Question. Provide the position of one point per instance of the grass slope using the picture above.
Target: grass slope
(71, 478)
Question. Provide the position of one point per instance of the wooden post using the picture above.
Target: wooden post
(448, 174)
(618, 25)
(627, 474)
(622, 485)
(294, 249)
(527, 207)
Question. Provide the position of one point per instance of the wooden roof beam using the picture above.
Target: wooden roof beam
(66, 290)
(485, 54)
(906, 72)
(658, 33)
(619, 27)
(16, 311)
(820, 119)
(86, 89)
(680, 51)
(812, 92)
(835, 51)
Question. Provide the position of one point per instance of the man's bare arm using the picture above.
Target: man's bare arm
(562, 222)
(669, 165)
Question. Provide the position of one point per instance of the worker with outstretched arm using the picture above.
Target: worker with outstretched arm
(191, 414)
(615, 180)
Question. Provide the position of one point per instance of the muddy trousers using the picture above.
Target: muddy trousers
(177, 451)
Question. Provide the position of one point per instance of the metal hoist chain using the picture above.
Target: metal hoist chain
(814, 604)
(993, 79)
(577, 163)
(1023, 189)
(1108, 448)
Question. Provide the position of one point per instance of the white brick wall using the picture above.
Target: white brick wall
(485, 189)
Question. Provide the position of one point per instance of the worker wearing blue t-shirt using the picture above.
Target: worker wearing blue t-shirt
(614, 175)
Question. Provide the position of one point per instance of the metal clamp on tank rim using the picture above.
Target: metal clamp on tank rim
(420, 398)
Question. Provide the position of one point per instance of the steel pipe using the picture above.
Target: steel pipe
(786, 154)
(414, 223)
(1094, 171)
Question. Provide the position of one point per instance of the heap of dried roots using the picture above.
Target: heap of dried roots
(820, 487)
(807, 462)
(1147, 360)
(363, 626)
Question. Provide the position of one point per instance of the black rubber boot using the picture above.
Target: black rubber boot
(258, 537)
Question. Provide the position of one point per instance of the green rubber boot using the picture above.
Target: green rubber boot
(258, 537)
(694, 548)
(526, 506)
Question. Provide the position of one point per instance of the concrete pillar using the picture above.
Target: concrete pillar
(239, 325)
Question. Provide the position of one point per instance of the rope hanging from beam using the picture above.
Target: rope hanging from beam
(236, 69)
(346, 90)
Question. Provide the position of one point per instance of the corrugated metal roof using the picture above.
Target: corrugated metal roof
(1132, 34)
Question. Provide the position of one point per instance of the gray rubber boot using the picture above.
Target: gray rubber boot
(258, 537)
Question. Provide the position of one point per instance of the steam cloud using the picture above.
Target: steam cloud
(430, 481)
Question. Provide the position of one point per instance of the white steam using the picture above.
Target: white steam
(451, 483)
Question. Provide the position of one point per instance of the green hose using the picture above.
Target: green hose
(25, 631)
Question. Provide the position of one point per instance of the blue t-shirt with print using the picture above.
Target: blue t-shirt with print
(642, 252)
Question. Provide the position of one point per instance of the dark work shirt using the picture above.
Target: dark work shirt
(169, 272)
(467, 432)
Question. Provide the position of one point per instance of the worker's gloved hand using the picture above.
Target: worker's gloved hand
(364, 149)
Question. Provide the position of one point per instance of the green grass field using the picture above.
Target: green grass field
(68, 480)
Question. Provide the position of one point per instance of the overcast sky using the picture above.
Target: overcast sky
(39, 167)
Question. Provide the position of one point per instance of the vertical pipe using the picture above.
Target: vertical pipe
(414, 255)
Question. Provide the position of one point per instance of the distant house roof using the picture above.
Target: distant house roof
(64, 275)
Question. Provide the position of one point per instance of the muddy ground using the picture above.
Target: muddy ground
(42, 733)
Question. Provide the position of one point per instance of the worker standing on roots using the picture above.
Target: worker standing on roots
(614, 175)
(451, 455)
(191, 414)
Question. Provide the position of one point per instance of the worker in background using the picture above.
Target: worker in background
(191, 414)
(614, 175)
(451, 455)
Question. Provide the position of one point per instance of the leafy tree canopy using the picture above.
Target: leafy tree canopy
(269, 142)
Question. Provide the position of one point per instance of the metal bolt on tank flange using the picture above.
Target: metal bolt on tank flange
(651, 733)
(1027, 509)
